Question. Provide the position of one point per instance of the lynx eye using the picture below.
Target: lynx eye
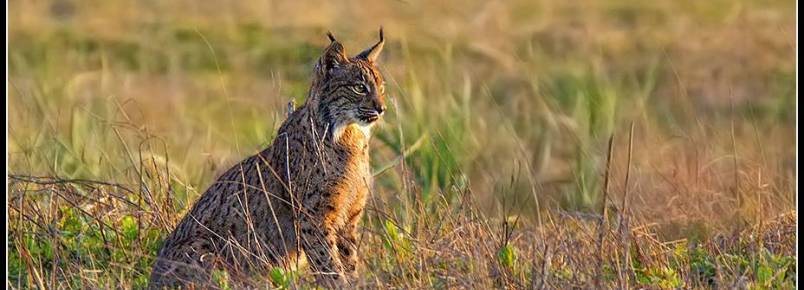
(358, 89)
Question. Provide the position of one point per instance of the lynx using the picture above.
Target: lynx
(303, 196)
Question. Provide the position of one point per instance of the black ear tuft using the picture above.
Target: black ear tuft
(373, 52)
(334, 55)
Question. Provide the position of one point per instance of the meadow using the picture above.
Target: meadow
(527, 145)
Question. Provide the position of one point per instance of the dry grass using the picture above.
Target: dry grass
(451, 247)
(122, 112)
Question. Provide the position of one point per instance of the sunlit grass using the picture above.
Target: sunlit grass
(490, 162)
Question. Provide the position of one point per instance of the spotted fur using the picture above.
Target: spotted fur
(304, 194)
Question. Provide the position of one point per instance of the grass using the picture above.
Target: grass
(494, 166)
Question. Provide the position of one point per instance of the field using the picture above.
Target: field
(528, 144)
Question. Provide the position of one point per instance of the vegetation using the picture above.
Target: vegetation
(528, 144)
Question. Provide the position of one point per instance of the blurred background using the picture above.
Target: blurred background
(512, 101)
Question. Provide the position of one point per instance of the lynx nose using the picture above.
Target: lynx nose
(380, 109)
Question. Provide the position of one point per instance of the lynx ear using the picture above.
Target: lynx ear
(334, 55)
(373, 52)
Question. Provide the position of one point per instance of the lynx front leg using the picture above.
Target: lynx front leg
(347, 244)
(319, 242)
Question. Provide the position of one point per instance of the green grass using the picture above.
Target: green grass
(491, 162)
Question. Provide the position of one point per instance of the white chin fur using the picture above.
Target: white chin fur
(364, 128)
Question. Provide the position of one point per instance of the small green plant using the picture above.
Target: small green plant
(663, 277)
(395, 241)
(281, 278)
(507, 256)
(772, 270)
(609, 273)
(129, 228)
(221, 279)
(701, 265)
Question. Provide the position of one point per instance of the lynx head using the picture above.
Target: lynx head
(348, 91)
